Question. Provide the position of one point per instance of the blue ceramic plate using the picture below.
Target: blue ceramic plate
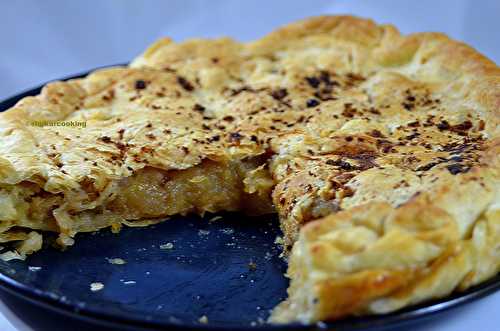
(175, 272)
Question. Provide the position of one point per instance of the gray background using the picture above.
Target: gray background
(44, 40)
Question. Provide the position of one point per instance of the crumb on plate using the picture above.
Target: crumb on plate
(96, 286)
(167, 246)
(117, 261)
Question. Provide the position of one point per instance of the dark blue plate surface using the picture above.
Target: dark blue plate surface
(228, 270)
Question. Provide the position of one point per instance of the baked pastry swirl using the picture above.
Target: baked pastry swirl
(379, 152)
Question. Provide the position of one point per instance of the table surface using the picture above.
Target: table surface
(45, 44)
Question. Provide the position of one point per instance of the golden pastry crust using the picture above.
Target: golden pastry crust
(389, 144)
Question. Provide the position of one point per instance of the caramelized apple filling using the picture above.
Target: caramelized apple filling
(151, 193)
(208, 187)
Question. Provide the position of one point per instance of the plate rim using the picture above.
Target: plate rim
(407, 315)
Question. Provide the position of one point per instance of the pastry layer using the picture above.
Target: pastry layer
(387, 145)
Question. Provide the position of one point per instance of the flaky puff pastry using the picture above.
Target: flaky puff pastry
(379, 152)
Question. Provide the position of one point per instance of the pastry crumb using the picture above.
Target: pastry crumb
(31, 268)
(203, 319)
(167, 246)
(260, 321)
(118, 261)
(322, 325)
(227, 231)
(215, 218)
(203, 232)
(96, 286)
(11, 255)
(129, 282)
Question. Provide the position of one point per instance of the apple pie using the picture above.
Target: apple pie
(378, 151)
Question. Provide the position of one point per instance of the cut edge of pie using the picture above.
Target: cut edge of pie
(380, 153)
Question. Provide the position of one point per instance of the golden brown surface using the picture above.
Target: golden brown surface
(386, 144)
